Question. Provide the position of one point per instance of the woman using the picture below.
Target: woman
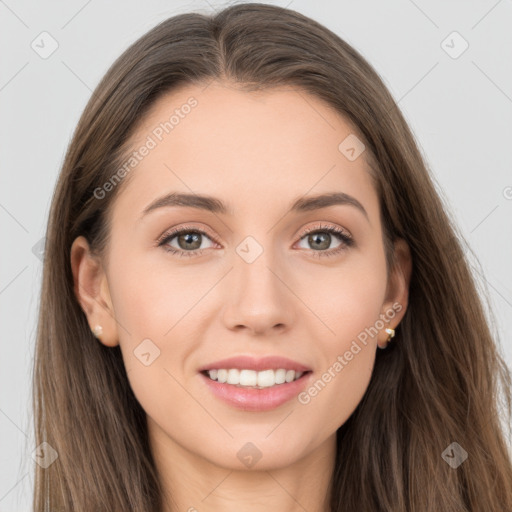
(253, 298)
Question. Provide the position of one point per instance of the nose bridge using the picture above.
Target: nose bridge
(259, 299)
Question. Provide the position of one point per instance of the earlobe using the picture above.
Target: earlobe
(397, 295)
(92, 293)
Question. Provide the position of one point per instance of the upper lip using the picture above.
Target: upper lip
(257, 364)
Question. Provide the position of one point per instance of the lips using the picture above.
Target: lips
(256, 400)
(257, 364)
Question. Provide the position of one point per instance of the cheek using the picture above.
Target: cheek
(151, 308)
(160, 302)
(347, 359)
(336, 392)
(349, 303)
(348, 298)
(150, 298)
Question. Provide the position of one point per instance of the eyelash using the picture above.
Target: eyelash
(347, 241)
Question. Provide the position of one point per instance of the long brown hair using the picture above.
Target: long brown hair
(443, 381)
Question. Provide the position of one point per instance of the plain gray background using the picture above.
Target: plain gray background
(458, 106)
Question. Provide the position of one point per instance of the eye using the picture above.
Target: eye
(189, 241)
(321, 237)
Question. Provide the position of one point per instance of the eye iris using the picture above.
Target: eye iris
(312, 239)
(190, 237)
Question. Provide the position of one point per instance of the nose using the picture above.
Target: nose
(259, 298)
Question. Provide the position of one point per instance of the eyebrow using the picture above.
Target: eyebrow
(214, 205)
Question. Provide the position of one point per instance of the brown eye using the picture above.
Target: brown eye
(319, 240)
(189, 242)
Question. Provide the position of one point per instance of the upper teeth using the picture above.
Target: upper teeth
(263, 379)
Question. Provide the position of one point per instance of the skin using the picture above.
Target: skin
(258, 152)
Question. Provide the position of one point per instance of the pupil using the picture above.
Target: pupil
(187, 239)
(313, 239)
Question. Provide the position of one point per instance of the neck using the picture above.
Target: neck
(192, 483)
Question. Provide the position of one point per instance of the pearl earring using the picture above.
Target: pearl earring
(97, 331)
(391, 333)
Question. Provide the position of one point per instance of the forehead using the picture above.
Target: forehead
(247, 148)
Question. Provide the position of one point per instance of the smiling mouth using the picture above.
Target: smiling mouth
(251, 379)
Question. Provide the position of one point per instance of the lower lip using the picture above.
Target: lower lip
(250, 399)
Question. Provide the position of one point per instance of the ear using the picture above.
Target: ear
(92, 291)
(397, 293)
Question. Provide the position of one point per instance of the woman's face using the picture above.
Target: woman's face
(246, 280)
